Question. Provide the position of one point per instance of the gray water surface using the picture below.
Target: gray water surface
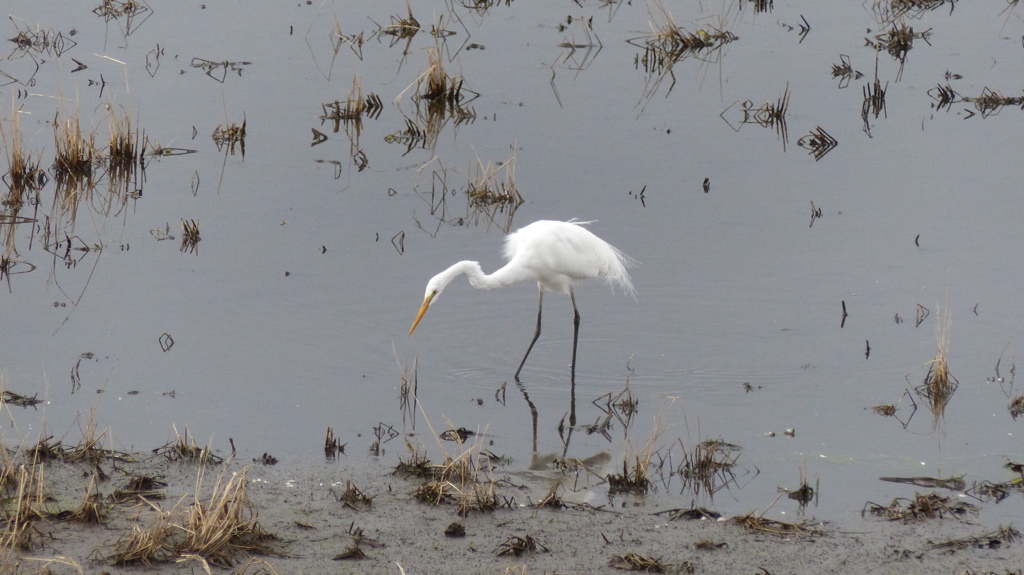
(291, 315)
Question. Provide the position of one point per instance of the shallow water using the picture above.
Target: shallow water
(292, 313)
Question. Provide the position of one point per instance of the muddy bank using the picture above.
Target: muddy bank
(299, 520)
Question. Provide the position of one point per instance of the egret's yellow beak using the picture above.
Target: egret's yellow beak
(423, 310)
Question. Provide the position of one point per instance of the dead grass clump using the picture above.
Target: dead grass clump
(184, 448)
(916, 7)
(845, 72)
(92, 509)
(818, 143)
(437, 493)
(668, 42)
(692, 514)
(635, 479)
(1016, 407)
(354, 553)
(990, 102)
(89, 447)
(332, 445)
(7, 396)
(552, 500)
(637, 562)
(481, 495)
(440, 89)
(147, 546)
(230, 137)
(770, 115)
(944, 96)
(46, 449)
(461, 483)
(123, 154)
(402, 28)
(23, 173)
(921, 507)
(632, 479)
(493, 184)
(516, 546)
(756, 522)
(74, 154)
(28, 506)
(939, 385)
(352, 110)
(991, 540)
(418, 465)
(139, 488)
(708, 467)
(897, 42)
(224, 525)
(190, 236)
(874, 100)
(354, 498)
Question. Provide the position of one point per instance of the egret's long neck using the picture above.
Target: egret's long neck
(478, 279)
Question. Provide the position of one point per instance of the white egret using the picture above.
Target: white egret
(554, 254)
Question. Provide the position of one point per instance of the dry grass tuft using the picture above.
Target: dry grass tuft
(224, 525)
(991, 540)
(939, 385)
(123, 150)
(92, 509)
(230, 137)
(708, 467)
(668, 42)
(23, 173)
(418, 465)
(184, 448)
(140, 488)
(759, 523)
(354, 498)
(692, 514)
(74, 154)
(332, 445)
(28, 506)
(190, 237)
(464, 484)
(770, 115)
(402, 28)
(990, 102)
(1016, 407)
(637, 562)
(147, 546)
(922, 506)
(634, 477)
(516, 546)
(492, 193)
(552, 500)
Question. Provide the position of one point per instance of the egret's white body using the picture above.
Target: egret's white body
(555, 255)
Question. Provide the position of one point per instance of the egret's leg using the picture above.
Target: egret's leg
(575, 335)
(536, 334)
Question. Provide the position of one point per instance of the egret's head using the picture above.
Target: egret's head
(434, 288)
